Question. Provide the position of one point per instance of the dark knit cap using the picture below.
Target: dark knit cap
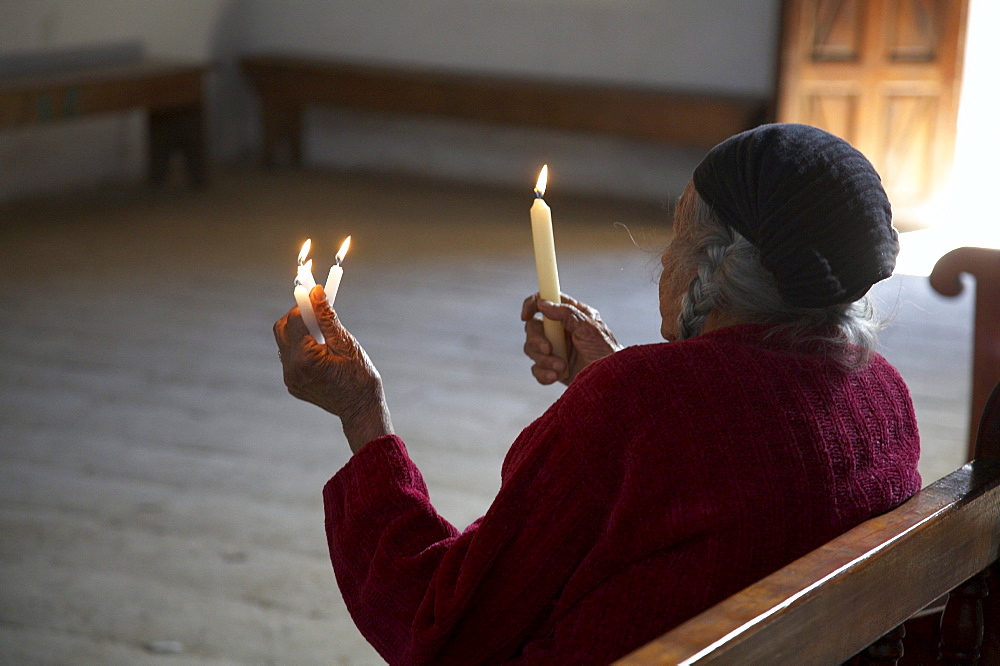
(811, 203)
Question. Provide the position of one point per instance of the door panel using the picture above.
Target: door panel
(836, 31)
(911, 122)
(882, 74)
(914, 30)
(834, 111)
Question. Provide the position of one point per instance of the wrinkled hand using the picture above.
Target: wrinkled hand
(337, 376)
(588, 338)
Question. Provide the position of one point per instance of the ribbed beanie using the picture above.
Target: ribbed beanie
(811, 203)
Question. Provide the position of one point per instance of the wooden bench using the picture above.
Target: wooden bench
(287, 84)
(858, 589)
(171, 92)
(983, 264)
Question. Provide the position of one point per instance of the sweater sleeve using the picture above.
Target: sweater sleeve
(420, 591)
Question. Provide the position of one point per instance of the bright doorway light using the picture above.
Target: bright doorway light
(968, 210)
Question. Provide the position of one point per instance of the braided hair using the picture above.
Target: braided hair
(732, 280)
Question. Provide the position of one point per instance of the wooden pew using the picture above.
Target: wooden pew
(983, 264)
(171, 93)
(856, 590)
(287, 84)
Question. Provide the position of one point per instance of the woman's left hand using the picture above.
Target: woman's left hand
(588, 337)
(337, 376)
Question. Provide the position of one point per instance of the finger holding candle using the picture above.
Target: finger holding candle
(546, 367)
(545, 262)
(329, 322)
(336, 273)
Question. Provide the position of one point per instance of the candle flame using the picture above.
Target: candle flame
(344, 247)
(543, 177)
(304, 252)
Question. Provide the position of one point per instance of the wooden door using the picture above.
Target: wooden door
(882, 74)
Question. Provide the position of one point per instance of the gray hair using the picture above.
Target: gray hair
(732, 280)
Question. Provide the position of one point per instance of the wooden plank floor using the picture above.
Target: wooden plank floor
(159, 490)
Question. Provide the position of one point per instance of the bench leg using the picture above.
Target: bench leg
(886, 651)
(173, 130)
(282, 125)
(990, 653)
(962, 625)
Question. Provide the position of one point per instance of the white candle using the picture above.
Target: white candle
(304, 276)
(336, 273)
(545, 262)
(304, 283)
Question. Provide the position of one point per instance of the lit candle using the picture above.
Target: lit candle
(304, 283)
(304, 275)
(336, 273)
(545, 262)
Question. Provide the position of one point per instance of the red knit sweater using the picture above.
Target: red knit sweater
(666, 478)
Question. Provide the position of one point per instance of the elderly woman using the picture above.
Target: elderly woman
(667, 476)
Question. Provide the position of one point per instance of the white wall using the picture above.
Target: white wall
(726, 45)
(715, 44)
(90, 150)
(181, 28)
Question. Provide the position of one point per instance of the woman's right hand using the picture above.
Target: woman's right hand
(588, 338)
(337, 376)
